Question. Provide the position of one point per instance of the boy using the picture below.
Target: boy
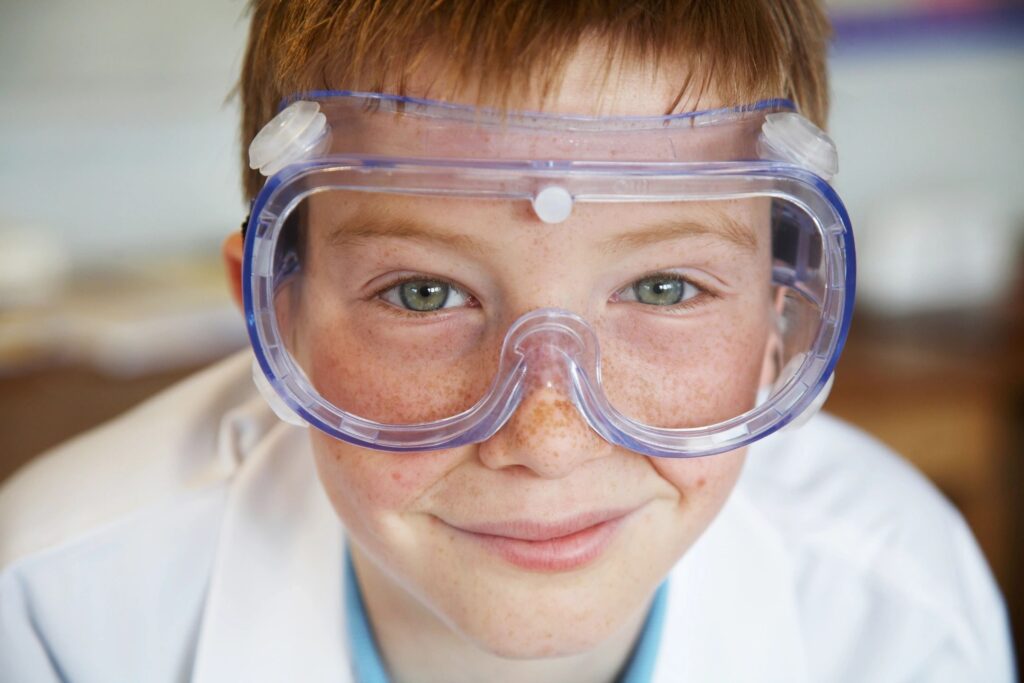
(532, 350)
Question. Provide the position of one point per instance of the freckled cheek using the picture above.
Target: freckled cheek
(702, 482)
(690, 377)
(365, 485)
(393, 372)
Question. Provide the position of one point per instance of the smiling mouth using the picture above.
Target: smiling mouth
(547, 547)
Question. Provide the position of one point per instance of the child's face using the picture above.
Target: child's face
(436, 526)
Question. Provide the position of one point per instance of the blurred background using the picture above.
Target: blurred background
(119, 178)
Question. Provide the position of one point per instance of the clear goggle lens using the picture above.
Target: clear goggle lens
(397, 309)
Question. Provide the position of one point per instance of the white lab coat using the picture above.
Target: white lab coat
(190, 540)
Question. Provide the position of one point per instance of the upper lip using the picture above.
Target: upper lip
(531, 530)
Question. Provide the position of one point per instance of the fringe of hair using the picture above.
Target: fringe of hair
(745, 49)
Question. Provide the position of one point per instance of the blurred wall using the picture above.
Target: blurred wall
(115, 133)
(927, 117)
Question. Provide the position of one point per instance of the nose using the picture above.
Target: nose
(546, 434)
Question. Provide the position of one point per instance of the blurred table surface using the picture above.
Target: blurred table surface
(105, 339)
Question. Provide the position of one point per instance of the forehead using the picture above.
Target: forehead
(593, 81)
(472, 226)
(593, 110)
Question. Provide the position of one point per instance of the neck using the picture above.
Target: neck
(418, 647)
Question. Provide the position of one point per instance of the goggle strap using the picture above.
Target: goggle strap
(283, 411)
(815, 406)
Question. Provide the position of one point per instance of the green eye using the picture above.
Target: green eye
(665, 290)
(660, 290)
(424, 295)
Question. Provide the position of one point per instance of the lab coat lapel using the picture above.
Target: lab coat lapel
(732, 612)
(274, 609)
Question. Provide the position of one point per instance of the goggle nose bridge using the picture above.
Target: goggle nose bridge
(548, 340)
(553, 349)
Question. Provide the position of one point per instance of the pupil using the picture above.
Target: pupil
(424, 296)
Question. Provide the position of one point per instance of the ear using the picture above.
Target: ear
(232, 253)
(771, 364)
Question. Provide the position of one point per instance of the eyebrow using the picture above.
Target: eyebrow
(726, 229)
(360, 230)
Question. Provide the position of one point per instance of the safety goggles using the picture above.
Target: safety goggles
(416, 271)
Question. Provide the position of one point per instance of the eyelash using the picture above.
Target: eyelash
(702, 292)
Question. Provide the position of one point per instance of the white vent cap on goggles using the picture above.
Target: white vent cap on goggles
(788, 136)
(297, 132)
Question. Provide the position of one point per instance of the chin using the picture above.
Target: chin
(569, 616)
(540, 640)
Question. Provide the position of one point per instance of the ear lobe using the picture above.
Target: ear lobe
(232, 251)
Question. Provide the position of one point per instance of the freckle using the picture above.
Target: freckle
(700, 482)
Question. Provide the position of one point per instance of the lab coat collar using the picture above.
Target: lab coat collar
(274, 609)
(733, 608)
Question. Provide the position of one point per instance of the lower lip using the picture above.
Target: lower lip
(555, 554)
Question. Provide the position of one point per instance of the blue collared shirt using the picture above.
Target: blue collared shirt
(368, 667)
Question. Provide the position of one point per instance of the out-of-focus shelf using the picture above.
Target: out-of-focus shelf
(126, 321)
(48, 406)
(106, 339)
